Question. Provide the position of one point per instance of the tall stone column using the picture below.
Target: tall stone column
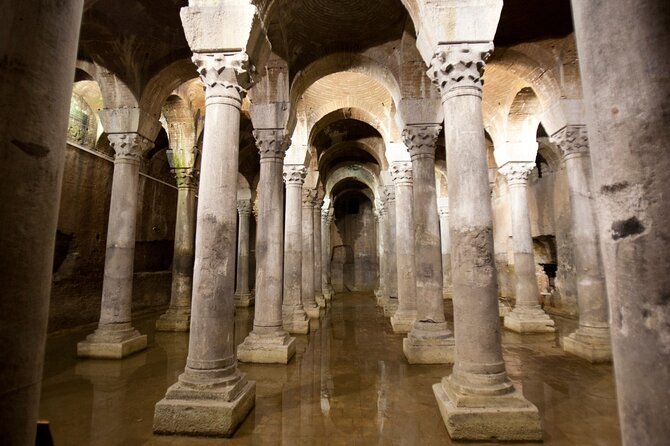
(268, 342)
(445, 243)
(405, 316)
(477, 401)
(391, 296)
(308, 300)
(527, 315)
(591, 341)
(381, 293)
(33, 131)
(212, 397)
(627, 98)
(243, 297)
(429, 341)
(293, 314)
(178, 316)
(327, 287)
(318, 289)
(115, 337)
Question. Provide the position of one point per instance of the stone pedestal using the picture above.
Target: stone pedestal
(243, 296)
(212, 397)
(527, 315)
(269, 342)
(477, 400)
(178, 316)
(115, 337)
(294, 318)
(308, 300)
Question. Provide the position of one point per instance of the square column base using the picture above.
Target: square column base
(403, 321)
(209, 417)
(313, 312)
(390, 307)
(594, 352)
(174, 321)
(97, 346)
(244, 300)
(295, 321)
(270, 349)
(510, 417)
(428, 351)
(320, 300)
(525, 321)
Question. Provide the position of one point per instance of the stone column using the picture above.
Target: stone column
(33, 131)
(178, 316)
(592, 340)
(268, 342)
(391, 296)
(212, 397)
(318, 289)
(115, 337)
(293, 314)
(382, 292)
(405, 316)
(627, 98)
(326, 220)
(308, 301)
(243, 297)
(429, 341)
(477, 401)
(443, 209)
(527, 315)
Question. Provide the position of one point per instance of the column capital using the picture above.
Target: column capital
(517, 173)
(421, 140)
(325, 215)
(318, 202)
(389, 193)
(295, 175)
(308, 197)
(272, 143)
(186, 177)
(457, 69)
(401, 173)
(380, 207)
(572, 140)
(244, 208)
(220, 73)
(129, 146)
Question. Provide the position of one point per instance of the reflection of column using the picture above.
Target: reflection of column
(33, 131)
(443, 208)
(178, 316)
(308, 301)
(212, 397)
(391, 301)
(268, 342)
(429, 341)
(477, 401)
(405, 316)
(115, 336)
(293, 314)
(592, 340)
(527, 315)
(318, 289)
(243, 296)
(326, 286)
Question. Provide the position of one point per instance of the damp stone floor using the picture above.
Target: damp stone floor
(349, 384)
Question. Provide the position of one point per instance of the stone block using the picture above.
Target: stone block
(529, 322)
(403, 321)
(266, 349)
(92, 348)
(591, 351)
(171, 321)
(428, 351)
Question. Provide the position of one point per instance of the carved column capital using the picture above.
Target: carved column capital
(325, 215)
(186, 177)
(380, 207)
(457, 69)
(318, 202)
(308, 197)
(224, 75)
(421, 140)
(129, 146)
(401, 173)
(572, 140)
(244, 208)
(517, 173)
(294, 175)
(272, 143)
(389, 194)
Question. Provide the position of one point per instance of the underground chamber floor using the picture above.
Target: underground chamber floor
(349, 384)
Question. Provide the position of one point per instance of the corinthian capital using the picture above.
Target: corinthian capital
(388, 193)
(295, 175)
(572, 140)
(224, 74)
(129, 146)
(401, 172)
(457, 69)
(272, 143)
(517, 173)
(244, 207)
(308, 197)
(421, 140)
(186, 177)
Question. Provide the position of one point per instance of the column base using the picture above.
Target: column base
(594, 348)
(381, 300)
(206, 412)
(275, 348)
(429, 343)
(174, 320)
(244, 300)
(313, 311)
(403, 321)
(328, 295)
(112, 343)
(507, 417)
(529, 320)
(504, 308)
(390, 306)
(320, 300)
(295, 320)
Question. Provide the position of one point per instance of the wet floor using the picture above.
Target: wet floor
(349, 384)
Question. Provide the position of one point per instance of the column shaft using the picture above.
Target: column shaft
(390, 253)
(308, 299)
(243, 296)
(445, 240)
(325, 255)
(318, 289)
